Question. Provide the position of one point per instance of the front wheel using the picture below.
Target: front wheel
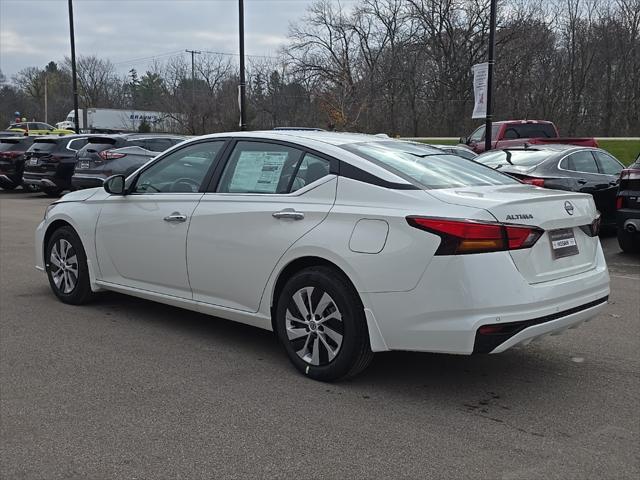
(66, 266)
(320, 321)
(52, 191)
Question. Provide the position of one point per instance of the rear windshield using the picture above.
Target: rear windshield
(43, 146)
(521, 158)
(98, 144)
(9, 145)
(530, 130)
(428, 168)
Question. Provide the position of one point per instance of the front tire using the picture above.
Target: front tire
(66, 266)
(52, 192)
(321, 323)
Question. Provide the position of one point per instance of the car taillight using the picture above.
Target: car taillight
(470, 236)
(619, 201)
(109, 155)
(538, 182)
(10, 155)
(593, 229)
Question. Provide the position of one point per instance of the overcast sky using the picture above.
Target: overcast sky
(33, 32)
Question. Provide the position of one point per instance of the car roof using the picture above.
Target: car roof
(331, 138)
(521, 122)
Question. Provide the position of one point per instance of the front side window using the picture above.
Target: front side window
(258, 167)
(182, 171)
(608, 164)
(426, 168)
(477, 135)
(582, 161)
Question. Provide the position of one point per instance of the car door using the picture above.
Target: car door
(584, 170)
(268, 196)
(141, 237)
(610, 168)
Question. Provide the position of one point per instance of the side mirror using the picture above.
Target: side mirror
(114, 185)
(463, 140)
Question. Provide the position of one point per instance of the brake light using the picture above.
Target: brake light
(592, 229)
(10, 154)
(109, 155)
(619, 201)
(538, 182)
(469, 236)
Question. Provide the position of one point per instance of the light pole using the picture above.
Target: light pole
(243, 86)
(492, 45)
(73, 68)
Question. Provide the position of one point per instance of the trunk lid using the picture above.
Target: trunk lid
(551, 210)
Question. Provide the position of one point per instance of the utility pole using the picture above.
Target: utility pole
(243, 86)
(193, 73)
(492, 47)
(73, 68)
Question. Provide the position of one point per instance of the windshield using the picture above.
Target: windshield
(427, 167)
(522, 158)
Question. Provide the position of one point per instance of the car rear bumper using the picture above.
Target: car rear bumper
(459, 294)
(45, 180)
(79, 181)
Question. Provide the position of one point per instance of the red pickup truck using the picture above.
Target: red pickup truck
(514, 133)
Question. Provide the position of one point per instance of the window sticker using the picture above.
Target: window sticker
(258, 172)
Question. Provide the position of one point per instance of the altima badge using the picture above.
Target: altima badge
(520, 216)
(568, 206)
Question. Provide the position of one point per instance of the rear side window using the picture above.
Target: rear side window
(97, 145)
(310, 169)
(257, 167)
(531, 130)
(581, 161)
(608, 165)
(427, 169)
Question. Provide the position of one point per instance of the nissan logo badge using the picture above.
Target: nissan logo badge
(568, 207)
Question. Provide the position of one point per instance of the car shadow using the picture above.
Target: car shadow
(413, 373)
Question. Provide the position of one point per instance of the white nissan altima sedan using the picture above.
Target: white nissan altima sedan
(343, 244)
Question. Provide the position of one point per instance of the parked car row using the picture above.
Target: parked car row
(58, 163)
(590, 170)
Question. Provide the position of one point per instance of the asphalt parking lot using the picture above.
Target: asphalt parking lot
(125, 388)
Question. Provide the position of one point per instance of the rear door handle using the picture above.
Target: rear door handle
(582, 182)
(289, 213)
(175, 217)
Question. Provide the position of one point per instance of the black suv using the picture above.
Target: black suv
(12, 150)
(106, 155)
(50, 161)
(628, 208)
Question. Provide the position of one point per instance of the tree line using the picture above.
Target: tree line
(402, 67)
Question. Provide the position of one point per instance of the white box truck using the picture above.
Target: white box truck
(111, 120)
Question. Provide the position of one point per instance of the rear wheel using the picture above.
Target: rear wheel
(629, 242)
(321, 323)
(66, 266)
(52, 191)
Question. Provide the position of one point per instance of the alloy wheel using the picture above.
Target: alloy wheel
(314, 326)
(64, 266)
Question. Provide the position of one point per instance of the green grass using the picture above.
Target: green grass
(624, 150)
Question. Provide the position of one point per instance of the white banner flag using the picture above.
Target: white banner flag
(480, 75)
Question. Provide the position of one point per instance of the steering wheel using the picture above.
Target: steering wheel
(185, 184)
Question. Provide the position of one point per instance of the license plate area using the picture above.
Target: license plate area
(563, 243)
(34, 162)
(83, 164)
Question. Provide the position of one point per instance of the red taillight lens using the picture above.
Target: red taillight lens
(10, 154)
(109, 155)
(468, 236)
(619, 201)
(538, 182)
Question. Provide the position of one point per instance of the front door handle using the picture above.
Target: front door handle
(288, 213)
(175, 217)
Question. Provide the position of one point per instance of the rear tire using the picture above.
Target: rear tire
(52, 192)
(320, 321)
(629, 242)
(66, 267)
